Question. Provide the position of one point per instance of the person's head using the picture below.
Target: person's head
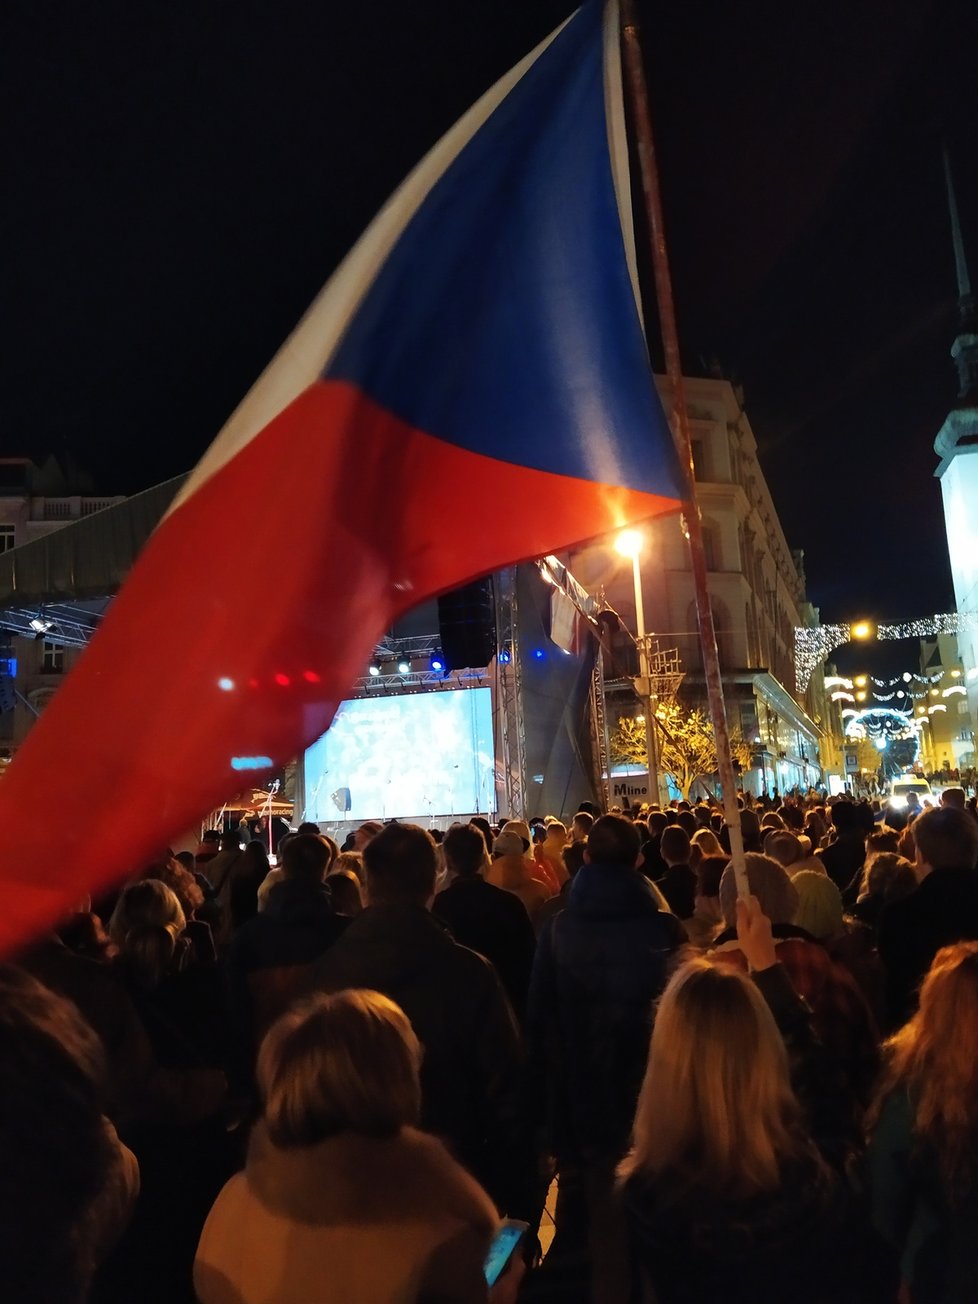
(887, 875)
(485, 828)
(351, 862)
(750, 829)
(305, 858)
(556, 832)
(57, 1155)
(945, 838)
(231, 839)
(401, 865)
(932, 1058)
(657, 822)
(793, 817)
(508, 846)
(146, 925)
(953, 797)
(182, 883)
(771, 820)
(819, 909)
(769, 882)
(707, 842)
(674, 847)
(581, 826)
(365, 833)
(307, 826)
(255, 856)
(612, 841)
(716, 1110)
(521, 829)
(783, 847)
(573, 857)
(687, 822)
(344, 891)
(709, 872)
(845, 818)
(465, 851)
(882, 839)
(342, 1063)
(186, 859)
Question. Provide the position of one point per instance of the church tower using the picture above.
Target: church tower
(957, 447)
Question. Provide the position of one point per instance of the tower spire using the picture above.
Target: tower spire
(965, 348)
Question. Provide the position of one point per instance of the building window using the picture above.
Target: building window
(52, 658)
(699, 459)
(7, 537)
(711, 548)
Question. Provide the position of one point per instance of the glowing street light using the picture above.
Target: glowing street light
(861, 629)
(861, 682)
(630, 543)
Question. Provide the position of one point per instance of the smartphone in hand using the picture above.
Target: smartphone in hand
(507, 1242)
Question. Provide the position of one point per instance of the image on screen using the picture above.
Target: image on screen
(412, 756)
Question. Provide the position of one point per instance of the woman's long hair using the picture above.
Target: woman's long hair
(716, 1109)
(146, 926)
(933, 1059)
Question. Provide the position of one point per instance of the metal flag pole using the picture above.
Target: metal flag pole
(648, 170)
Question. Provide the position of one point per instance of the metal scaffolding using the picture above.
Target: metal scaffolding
(509, 695)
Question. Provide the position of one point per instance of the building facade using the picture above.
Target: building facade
(34, 501)
(957, 447)
(757, 591)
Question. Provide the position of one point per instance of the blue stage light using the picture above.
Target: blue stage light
(437, 664)
(538, 654)
(505, 657)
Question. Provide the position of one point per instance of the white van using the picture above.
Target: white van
(905, 783)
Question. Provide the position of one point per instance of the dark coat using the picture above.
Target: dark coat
(844, 858)
(935, 1236)
(600, 964)
(943, 910)
(471, 1074)
(678, 886)
(809, 1241)
(702, 1248)
(269, 962)
(494, 923)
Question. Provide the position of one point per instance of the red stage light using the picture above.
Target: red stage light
(282, 680)
(310, 676)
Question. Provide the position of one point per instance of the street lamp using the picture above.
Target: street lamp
(861, 629)
(630, 543)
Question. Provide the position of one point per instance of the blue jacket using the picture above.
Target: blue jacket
(600, 965)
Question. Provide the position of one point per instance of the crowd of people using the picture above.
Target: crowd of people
(330, 1078)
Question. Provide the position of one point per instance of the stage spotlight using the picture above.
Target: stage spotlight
(403, 667)
(374, 671)
(538, 654)
(505, 657)
(437, 664)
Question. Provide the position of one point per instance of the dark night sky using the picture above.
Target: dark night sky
(182, 178)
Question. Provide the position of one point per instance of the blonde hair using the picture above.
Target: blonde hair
(708, 842)
(716, 1109)
(145, 926)
(933, 1058)
(342, 1063)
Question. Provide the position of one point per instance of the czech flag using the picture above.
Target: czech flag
(471, 388)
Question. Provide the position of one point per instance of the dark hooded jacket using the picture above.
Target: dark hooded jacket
(471, 1074)
(600, 965)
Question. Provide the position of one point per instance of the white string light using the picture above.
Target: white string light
(815, 643)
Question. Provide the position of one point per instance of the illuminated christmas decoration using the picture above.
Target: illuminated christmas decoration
(815, 643)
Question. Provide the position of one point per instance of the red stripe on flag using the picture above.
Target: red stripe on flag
(250, 613)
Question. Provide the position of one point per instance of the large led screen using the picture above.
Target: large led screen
(412, 756)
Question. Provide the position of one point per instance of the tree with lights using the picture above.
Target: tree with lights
(687, 744)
